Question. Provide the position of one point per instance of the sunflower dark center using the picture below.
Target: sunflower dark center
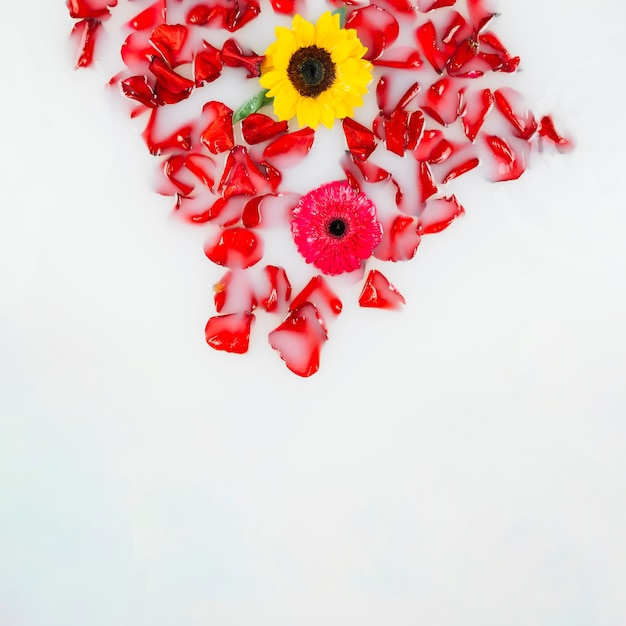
(337, 228)
(311, 71)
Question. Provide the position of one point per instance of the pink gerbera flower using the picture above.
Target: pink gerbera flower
(335, 227)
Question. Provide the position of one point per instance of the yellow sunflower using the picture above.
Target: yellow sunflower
(315, 71)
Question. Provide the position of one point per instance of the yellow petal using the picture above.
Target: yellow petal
(308, 112)
(327, 30)
(304, 32)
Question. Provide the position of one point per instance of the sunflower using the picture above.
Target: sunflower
(316, 71)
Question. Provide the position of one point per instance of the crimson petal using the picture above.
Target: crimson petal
(438, 214)
(257, 128)
(377, 29)
(230, 333)
(290, 149)
(379, 293)
(235, 248)
(218, 135)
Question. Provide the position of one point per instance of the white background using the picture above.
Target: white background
(459, 462)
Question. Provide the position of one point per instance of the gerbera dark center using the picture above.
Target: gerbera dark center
(311, 71)
(337, 228)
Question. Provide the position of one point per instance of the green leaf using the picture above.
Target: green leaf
(341, 12)
(252, 105)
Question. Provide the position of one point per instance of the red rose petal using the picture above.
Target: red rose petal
(286, 7)
(170, 86)
(299, 340)
(234, 293)
(149, 18)
(400, 239)
(360, 140)
(89, 8)
(138, 88)
(234, 56)
(180, 139)
(230, 333)
(549, 132)
(169, 40)
(241, 175)
(415, 129)
(86, 30)
(379, 293)
(442, 101)
(438, 214)
(231, 15)
(376, 27)
(395, 131)
(509, 103)
(207, 64)
(318, 292)
(236, 248)
(400, 58)
(427, 185)
(460, 169)
(218, 137)
(290, 149)
(428, 5)
(476, 106)
(257, 128)
(269, 210)
(509, 165)
(278, 291)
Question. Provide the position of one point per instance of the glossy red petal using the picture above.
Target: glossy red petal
(138, 88)
(149, 18)
(257, 128)
(414, 130)
(427, 186)
(461, 168)
(476, 106)
(360, 140)
(438, 214)
(230, 333)
(218, 137)
(299, 340)
(288, 150)
(169, 40)
(442, 101)
(286, 7)
(429, 5)
(170, 86)
(510, 104)
(228, 14)
(379, 293)
(234, 56)
(400, 58)
(509, 164)
(241, 175)
(234, 293)
(427, 38)
(547, 131)
(86, 31)
(400, 239)
(236, 248)
(269, 210)
(207, 64)
(180, 139)
(376, 27)
(278, 291)
(89, 8)
(395, 131)
(318, 293)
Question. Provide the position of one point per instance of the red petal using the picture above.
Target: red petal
(379, 293)
(269, 210)
(442, 101)
(218, 135)
(89, 8)
(460, 169)
(170, 86)
(202, 167)
(376, 28)
(207, 64)
(401, 58)
(476, 106)
(230, 15)
(233, 56)
(400, 239)
(290, 149)
(395, 131)
(257, 128)
(438, 214)
(235, 248)
(180, 139)
(299, 340)
(279, 290)
(415, 129)
(509, 102)
(136, 51)
(548, 131)
(426, 183)
(234, 293)
(382, 96)
(428, 5)
(427, 38)
(87, 30)
(138, 88)
(241, 175)
(509, 165)
(318, 293)
(361, 141)
(169, 39)
(479, 14)
(286, 7)
(230, 333)
(150, 17)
